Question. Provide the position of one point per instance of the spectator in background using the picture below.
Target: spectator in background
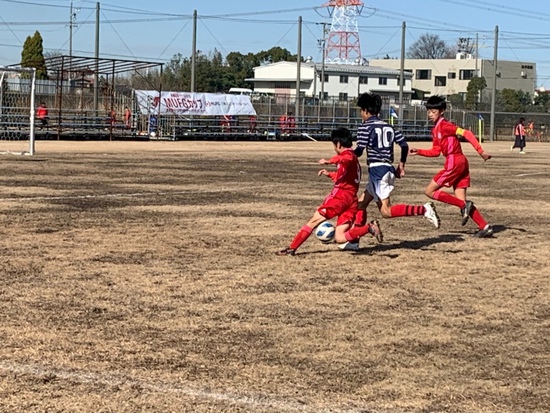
(112, 118)
(519, 132)
(252, 123)
(283, 124)
(226, 123)
(42, 114)
(291, 123)
(531, 128)
(127, 117)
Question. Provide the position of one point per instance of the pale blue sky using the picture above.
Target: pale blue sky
(156, 30)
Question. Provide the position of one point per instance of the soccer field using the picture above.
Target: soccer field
(141, 277)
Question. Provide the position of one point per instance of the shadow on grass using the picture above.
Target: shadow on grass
(413, 245)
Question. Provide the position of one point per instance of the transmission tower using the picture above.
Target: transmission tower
(343, 46)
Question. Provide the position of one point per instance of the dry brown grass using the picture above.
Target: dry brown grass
(140, 277)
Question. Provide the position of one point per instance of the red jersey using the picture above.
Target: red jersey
(42, 112)
(348, 173)
(445, 140)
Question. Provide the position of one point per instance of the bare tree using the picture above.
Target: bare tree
(430, 46)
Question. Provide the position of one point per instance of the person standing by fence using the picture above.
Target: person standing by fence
(519, 132)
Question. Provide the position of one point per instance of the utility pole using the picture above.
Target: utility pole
(402, 72)
(323, 44)
(96, 55)
(494, 95)
(194, 52)
(72, 18)
(298, 71)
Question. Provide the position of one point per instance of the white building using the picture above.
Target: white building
(451, 76)
(344, 82)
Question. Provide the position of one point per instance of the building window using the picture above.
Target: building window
(343, 97)
(326, 78)
(451, 75)
(423, 74)
(440, 81)
(343, 78)
(282, 85)
(382, 80)
(363, 80)
(467, 74)
(323, 95)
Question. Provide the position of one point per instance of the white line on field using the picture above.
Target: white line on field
(533, 173)
(114, 380)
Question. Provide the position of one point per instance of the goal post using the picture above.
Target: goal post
(17, 110)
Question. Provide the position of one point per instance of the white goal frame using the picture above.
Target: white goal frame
(32, 72)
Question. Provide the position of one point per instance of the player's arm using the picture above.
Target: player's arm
(470, 137)
(362, 140)
(433, 152)
(401, 141)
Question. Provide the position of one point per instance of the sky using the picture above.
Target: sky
(157, 30)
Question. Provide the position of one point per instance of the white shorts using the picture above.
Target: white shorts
(381, 180)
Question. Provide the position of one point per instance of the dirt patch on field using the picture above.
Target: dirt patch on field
(142, 277)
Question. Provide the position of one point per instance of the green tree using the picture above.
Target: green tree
(511, 100)
(473, 91)
(32, 55)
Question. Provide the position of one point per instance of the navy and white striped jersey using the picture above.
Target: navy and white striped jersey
(378, 138)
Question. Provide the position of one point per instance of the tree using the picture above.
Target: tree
(429, 46)
(473, 91)
(32, 55)
(514, 100)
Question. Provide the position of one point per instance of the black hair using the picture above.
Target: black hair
(522, 119)
(436, 102)
(342, 136)
(370, 102)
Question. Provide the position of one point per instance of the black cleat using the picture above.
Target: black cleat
(465, 212)
(286, 251)
(375, 231)
(486, 232)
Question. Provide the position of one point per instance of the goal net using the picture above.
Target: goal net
(17, 110)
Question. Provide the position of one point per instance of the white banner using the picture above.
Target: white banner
(185, 103)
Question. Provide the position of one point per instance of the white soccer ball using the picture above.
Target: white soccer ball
(325, 231)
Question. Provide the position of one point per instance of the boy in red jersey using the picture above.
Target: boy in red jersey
(342, 201)
(456, 172)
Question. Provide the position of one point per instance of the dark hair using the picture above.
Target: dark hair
(522, 119)
(436, 102)
(370, 102)
(342, 136)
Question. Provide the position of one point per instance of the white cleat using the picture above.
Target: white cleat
(431, 214)
(349, 246)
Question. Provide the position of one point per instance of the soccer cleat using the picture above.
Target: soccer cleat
(522, 152)
(349, 246)
(486, 232)
(512, 148)
(431, 214)
(375, 231)
(465, 212)
(286, 251)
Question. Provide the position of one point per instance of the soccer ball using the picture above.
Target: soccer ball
(325, 231)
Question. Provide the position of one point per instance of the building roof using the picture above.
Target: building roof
(341, 68)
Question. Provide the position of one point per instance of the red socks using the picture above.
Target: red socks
(403, 210)
(301, 237)
(477, 218)
(447, 198)
(356, 232)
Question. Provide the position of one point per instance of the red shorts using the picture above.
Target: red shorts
(339, 204)
(455, 173)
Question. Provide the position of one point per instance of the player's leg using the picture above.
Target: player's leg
(364, 200)
(485, 229)
(303, 234)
